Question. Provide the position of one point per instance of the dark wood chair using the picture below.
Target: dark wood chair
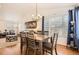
(23, 43)
(32, 43)
(50, 47)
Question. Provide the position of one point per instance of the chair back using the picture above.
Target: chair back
(22, 34)
(56, 39)
(31, 43)
(50, 46)
(30, 35)
(23, 37)
(31, 40)
(53, 40)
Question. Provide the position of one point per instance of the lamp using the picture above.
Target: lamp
(37, 16)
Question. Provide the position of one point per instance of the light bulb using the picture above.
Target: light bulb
(32, 15)
(38, 14)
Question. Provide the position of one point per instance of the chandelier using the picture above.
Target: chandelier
(36, 16)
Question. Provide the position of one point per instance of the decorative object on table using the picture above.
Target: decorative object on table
(11, 38)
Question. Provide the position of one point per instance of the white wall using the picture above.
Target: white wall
(2, 26)
(23, 12)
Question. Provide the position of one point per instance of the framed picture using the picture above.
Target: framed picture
(31, 24)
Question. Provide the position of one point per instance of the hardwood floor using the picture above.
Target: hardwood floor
(15, 50)
(63, 50)
(11, 50)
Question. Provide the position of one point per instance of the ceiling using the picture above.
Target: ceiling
(44, 9)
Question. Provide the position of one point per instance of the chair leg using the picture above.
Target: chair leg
(46, 51)
(26, 47)
(56, 51)
(43, 51)
(34, 51)
(25, 50)
(21, 49)
(51, 52)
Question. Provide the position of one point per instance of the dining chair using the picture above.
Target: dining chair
(23, 42)
(50, 47)
(32, 43)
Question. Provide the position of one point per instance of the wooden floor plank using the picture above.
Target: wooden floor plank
(15, 50)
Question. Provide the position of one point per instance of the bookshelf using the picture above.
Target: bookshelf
(71, 30)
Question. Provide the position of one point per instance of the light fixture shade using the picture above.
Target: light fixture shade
(38, 17)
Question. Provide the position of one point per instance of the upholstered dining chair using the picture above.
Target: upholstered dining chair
(23, 42)
(51, 46)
